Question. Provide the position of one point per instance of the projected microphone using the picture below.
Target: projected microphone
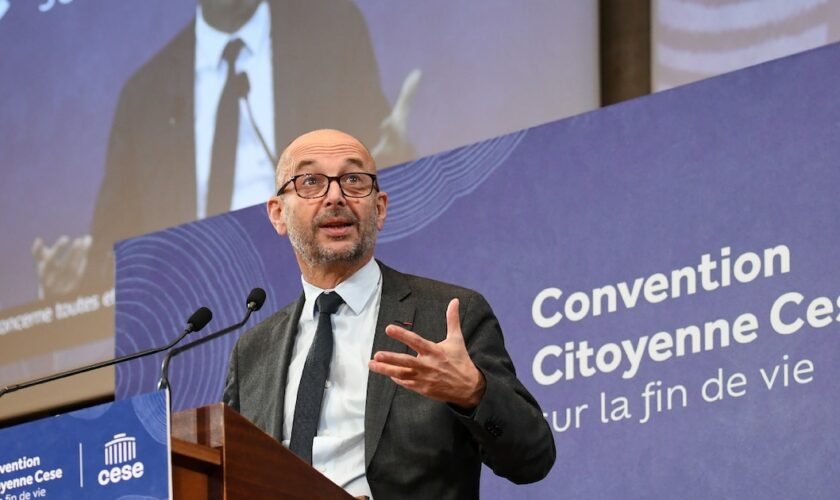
(253, 303)
(196, 322)
(245, 91)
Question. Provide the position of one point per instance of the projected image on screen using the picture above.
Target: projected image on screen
(137, 117)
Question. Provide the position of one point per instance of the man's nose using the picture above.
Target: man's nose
(334, 194)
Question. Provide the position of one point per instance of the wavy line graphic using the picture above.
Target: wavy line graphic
(151, 412)
(91, 413)
(712, 62)
(421, 191)
(705, 17)
(194, 272)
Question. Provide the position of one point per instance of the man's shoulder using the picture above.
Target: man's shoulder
(337, 12)
(269, 329)
(177, 55)
(425, 287)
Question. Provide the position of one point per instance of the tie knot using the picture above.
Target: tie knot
(328, 302)
(231, 52)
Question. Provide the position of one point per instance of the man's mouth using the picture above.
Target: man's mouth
(336, 226)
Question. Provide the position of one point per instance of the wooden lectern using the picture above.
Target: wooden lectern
(218, 454)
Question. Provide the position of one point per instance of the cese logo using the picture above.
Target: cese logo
(117, 474)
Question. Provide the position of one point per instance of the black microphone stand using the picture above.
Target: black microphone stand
(197, 321)
(255, 301)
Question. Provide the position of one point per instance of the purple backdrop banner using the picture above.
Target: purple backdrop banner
(665, 272)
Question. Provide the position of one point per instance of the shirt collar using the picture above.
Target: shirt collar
(210, 42)
(355, 290)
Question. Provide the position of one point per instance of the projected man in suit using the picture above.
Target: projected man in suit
(196, 128)
(392, 385)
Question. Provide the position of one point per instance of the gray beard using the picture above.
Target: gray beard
(304, 244)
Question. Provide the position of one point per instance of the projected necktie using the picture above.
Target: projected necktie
(315, 370)
(226, 136)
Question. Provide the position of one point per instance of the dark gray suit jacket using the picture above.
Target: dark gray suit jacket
(414, 447)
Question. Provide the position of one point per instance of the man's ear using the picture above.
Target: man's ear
(274, 207)
(381, 209)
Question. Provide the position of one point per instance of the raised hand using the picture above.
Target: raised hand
(393, 147)
(60, 267)
(442, 371)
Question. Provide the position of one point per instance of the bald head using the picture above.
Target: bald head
(307, 149)
(333, 234)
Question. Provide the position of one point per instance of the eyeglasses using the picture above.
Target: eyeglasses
(352, 185)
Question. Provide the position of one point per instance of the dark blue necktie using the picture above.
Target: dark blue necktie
(315, 371)
(226, 135)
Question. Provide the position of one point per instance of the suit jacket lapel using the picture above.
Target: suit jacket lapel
(395, 305)
(286, 331)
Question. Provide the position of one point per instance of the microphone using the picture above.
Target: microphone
(196, 322)
(244, 91)
(253, 303)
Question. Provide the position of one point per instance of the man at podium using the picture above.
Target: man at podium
(391, 385)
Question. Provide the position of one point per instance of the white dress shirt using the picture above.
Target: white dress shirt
(254, 175)
(338, 450)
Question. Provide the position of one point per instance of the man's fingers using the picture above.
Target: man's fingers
(403, 103)
(57, 250)
(453, 320)
(397, 359)
(38, 248)
(392, 371)
(411, 339)
(407, 383)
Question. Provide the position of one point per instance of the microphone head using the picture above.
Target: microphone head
(256, 299)
(199, 319)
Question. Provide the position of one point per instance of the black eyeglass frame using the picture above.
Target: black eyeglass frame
(330, 179)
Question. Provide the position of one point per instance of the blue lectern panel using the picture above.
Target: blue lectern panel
(115, 450)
